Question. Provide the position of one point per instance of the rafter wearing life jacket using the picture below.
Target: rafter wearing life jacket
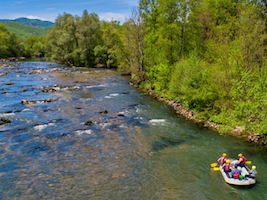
(222, 159)
(243, 162)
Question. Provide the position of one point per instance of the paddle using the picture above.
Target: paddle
(213, 164)
(248, 162)
(216, 168)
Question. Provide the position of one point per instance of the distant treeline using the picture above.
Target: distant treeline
(209, 55)
(13, 46)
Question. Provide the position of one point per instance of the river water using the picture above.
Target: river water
(100, 138)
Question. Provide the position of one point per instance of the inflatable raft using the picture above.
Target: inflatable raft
(244, 171)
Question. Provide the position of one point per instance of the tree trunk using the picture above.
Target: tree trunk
(181, 42)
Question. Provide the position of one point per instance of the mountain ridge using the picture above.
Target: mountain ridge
(36, 23)
(24, 31)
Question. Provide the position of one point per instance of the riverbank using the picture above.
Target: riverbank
(251, 137)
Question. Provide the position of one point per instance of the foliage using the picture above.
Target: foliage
(191, 82)
(249, 97)
(101, 54)
(35, 45)
(10, 44)
(134, 44)
(159, 75)
(72, 40)
(209, 55)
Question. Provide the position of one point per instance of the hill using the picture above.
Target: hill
(36, 23)
(24, 31)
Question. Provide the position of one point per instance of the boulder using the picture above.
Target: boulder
(104, 112)
(26, 102)
(88, 123)
(4, 121)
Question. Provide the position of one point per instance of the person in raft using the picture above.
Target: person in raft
(252, 173)
(222, 159)
(226, 166)
(242, 160)
(236, 173)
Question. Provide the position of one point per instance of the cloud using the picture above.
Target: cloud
(109, 16)
(19, 2)
(35, 17)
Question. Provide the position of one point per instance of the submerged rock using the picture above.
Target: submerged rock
(104, 112)
(27, 102)
(166, 142)
(42, 71)
(3, 74)
(88, 123)
(4, 121)
(56, 88)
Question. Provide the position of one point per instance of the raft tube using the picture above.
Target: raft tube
(244, 171)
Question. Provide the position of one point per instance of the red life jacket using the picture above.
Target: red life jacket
(236, 175)
(244, 160)
(222, 160)
(227, 167)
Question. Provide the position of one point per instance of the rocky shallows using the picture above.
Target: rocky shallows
(27, 102)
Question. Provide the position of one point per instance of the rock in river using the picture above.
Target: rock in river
(104, 112)
(25, 102)
(4, 121)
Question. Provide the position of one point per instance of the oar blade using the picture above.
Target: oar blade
(216, 168)
(213, 164)
(248, 162)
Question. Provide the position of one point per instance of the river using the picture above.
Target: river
(87, 134)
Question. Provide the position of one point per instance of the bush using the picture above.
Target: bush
(191, 82)
(249, 96)
(159, 75)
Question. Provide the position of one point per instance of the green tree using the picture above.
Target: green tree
(88, 37)
(134, 44)
(10, 44)
(101, 54)
(4, 34)
(35, 45)
(61, 41)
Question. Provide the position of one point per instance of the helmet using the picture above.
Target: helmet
(240, 155)
(227, 161)
(241, 176)
(224, 155)
(253, 167)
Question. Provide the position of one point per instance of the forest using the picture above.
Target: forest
(208, 55)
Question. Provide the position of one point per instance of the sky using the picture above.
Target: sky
(49, 10)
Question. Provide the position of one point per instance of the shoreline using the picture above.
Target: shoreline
(258, 139)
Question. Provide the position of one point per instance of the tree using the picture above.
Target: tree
(35, 45)
(88, 37)
(61, 41)
(134, 40)
(3, 41)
